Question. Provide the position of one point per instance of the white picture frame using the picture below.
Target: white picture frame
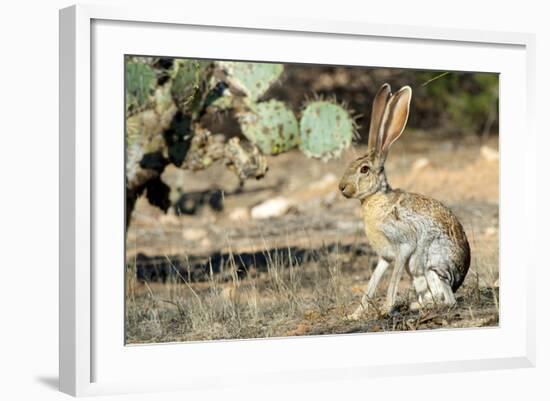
(93, 358)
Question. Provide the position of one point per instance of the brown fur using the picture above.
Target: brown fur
(377, 209)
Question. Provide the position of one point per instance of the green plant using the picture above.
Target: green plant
(468, 102)
(326, 129)
(166, 100)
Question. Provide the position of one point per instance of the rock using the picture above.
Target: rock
(315, 191)
(205, 243)
(239, 214)
(420, 164)
(489, 154)
(273, 207)
(328, 182)
(329, 199)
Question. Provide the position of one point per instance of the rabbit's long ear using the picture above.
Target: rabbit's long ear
(395, 118)
(378, 107)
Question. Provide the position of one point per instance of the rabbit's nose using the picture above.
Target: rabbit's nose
(346, 189)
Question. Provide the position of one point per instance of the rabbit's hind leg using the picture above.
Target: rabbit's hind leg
(440, 289)
(423, 294)
(431, 290)
(419, 281)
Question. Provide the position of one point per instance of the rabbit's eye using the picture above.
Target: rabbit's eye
(364, 169)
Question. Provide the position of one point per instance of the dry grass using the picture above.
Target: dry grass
(292, 299)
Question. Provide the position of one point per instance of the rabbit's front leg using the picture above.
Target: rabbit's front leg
(377, 274)
(401, 260)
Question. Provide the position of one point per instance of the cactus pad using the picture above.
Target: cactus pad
(141, 81)
(144, 131)
(146, 127)
(271, 126)
(251, 79)
(188, 81)
(221, 104)
(244, 159)
(204, 151)
(326, 129)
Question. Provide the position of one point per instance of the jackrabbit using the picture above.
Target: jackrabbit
(411, 231)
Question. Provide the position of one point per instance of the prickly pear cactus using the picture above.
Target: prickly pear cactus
(189, 84)
(251, 80)
(144, 132)
(244, 159)
(166, 100)
(204, 151)
(223, 103)
(326, 129)
(141, 82)
(271, 126)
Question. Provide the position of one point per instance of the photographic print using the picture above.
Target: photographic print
(278, 200)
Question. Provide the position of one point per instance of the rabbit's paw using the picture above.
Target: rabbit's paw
(390, 311)
(357, 314)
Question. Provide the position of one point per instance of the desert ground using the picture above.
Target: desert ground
(287, 256)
